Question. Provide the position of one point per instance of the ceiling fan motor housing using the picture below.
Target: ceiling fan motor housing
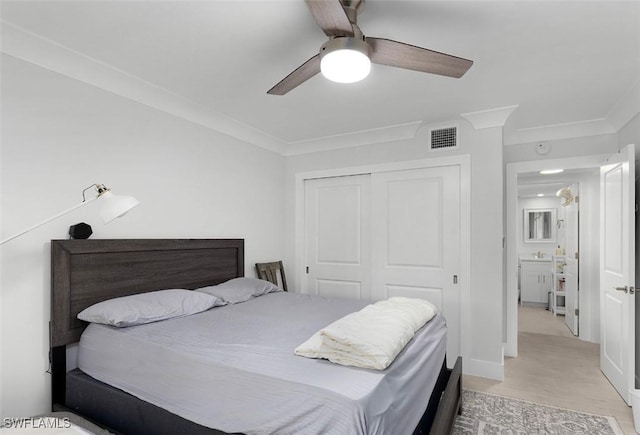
(345, 43)
(352, 8)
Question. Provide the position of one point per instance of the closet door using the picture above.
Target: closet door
(416, 240)
(337, 237)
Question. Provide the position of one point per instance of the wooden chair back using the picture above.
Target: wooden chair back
(271, 271)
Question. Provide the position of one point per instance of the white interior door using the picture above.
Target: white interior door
(337, 237)
(571, 285)
(617, 271)
(416, 240)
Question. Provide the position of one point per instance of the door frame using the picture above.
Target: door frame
(463, 161)
(511, 212)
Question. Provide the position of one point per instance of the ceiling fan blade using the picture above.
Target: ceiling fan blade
(331, 17)
(401, 55)
(300, 75)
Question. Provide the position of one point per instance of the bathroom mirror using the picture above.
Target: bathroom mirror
(539, 225)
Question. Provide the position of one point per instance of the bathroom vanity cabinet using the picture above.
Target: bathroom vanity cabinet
(536, 281)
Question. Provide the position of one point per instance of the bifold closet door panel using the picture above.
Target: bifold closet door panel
(337, 237)
(415, 219)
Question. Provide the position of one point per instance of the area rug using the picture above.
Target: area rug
(484, 414)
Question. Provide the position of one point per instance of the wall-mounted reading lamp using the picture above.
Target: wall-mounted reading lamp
(113, 206)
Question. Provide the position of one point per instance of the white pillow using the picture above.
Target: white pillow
(148, 307)
(240, 289)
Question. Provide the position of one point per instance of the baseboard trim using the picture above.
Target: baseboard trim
(484, 369)
(510, 350)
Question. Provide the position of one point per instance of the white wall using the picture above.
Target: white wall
(564, 148)
(589, 273)
(630, 133)
(59, 136)
(485, 148)
(487, 250)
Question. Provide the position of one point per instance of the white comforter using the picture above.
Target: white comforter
(372, 337)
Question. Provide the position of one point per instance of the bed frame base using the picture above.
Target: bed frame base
(120, 412)
(445, 402)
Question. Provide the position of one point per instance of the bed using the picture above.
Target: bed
(85, 272)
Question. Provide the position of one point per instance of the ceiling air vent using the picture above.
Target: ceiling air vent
(443, 138)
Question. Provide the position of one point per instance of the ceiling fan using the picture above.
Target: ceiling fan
(338, 20)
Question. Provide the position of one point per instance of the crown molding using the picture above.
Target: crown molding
(30, 47)
(489, 118)
(354, 139)
(594, 127)
(623, 111)
(45, 53)
(35, 49)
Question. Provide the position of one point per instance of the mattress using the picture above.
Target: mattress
(232, 368)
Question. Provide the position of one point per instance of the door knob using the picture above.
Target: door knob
(622, 289)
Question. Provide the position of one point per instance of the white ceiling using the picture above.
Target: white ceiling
(532, 184)
(560, 62)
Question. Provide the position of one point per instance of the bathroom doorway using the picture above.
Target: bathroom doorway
(567, 259)
(563, 204)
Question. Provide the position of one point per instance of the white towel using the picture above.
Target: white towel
(372, 337)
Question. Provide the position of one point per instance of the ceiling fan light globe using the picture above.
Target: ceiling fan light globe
(345, 66)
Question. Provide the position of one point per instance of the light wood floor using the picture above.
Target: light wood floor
(557, 369)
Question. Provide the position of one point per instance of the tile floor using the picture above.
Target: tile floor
(557, 369)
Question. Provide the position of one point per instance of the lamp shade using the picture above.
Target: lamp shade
(114, 206)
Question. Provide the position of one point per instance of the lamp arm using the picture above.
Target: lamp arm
(49, 219)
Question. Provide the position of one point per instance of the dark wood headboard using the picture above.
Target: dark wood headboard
(85, 272)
